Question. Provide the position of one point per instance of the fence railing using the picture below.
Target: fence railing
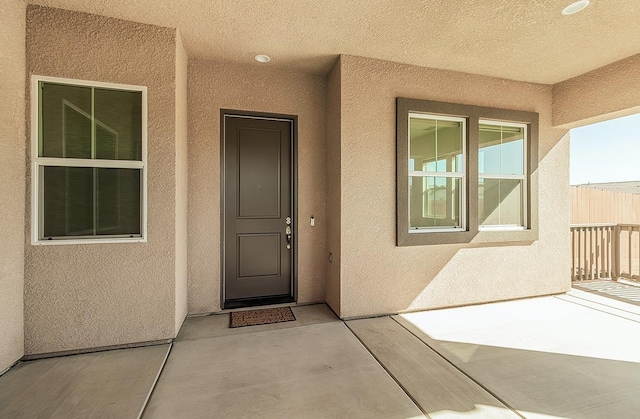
(605, 251)
(629, 251)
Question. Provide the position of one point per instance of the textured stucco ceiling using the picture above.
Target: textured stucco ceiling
(514, 39)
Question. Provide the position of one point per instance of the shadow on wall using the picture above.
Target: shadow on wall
(434, 261)
(449, 275)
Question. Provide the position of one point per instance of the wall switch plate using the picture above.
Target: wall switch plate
(313, 221)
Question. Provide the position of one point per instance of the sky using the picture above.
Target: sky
(606, 152)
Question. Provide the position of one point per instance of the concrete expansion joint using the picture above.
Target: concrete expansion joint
(478, 383)
(364, 345)
(9, 367)
(155, 381)
(96, 350)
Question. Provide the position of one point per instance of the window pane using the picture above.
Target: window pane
(106, 143)
(118, 201)
(501, 150)
(68, 201)
(449, 144)
(422, 144)
(489, 151)
(434, 202)
(118, 116)
(512, 158)
(435, 145)
(81, 201)
(66, 126)
(500, 202)
(66, 121)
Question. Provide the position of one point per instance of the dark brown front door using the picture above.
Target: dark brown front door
(258, 217)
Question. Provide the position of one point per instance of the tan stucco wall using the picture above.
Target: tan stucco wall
(81, 296)
(181, 182)
(214, 86)
(12, 85)
(606, 93)
(333, 186)
(378, 277)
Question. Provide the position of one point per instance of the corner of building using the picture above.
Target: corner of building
(181, 182)
(334, 186)
(12, 187)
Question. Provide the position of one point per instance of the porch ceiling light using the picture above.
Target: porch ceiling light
(261, 58)
(575, 7)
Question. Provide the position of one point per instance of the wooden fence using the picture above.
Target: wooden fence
(590, 206)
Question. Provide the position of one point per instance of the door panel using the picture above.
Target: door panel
(258, 255)
(257, 203)
(259, 173)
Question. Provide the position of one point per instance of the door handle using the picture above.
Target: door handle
(287, 231)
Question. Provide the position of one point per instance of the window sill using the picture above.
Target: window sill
(88, 241)
(503, 228)
(428, 238)
(499, 236)
(436, 230)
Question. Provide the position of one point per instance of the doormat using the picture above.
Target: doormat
(263, 316)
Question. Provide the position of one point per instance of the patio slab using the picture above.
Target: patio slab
(615, 290)
(315, 371)
(544, 357)
(110, 384)
(607, 305)
(574, 355)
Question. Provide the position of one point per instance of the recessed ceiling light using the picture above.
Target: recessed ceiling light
(575, 7)
(261, 58)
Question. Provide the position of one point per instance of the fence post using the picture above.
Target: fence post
(615, 257)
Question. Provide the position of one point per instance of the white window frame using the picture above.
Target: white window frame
(455, 175)
(523, 177)
(37, 221)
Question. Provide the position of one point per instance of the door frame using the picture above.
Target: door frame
(293, 119)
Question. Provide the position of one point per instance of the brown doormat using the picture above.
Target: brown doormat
(263, 316)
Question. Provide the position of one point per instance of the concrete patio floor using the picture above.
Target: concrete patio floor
(575, 355)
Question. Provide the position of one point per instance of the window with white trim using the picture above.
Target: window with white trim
(502, 175)
(464, 173)
(436, 173)
(89, 164)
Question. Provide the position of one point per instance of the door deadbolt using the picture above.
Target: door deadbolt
(287, 232)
